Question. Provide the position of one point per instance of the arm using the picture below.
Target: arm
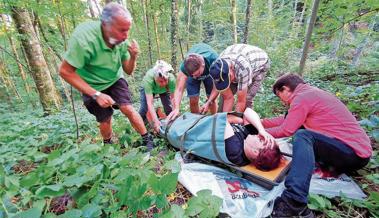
(241, 100)
(228, 100)
(68, 73)
(210, 101)
(172, 99)
(250, 116)
(272, 122)
(296, 117)
(180, 85)
(129, 65)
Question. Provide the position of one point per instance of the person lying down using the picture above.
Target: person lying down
(224, 138)
(246, 141)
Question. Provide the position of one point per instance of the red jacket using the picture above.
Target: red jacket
(321, 112)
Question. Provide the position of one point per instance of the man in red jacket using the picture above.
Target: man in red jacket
(330, 136)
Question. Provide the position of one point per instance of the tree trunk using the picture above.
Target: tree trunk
(362, 45)
(269, 9)
(174, 32)
(155, 20)
(61, 24)
(188, 22)
(47, 92)
(308, 36)
(91, 11)
(15, 54)
(234, 19)
(8, 82)
(146, 21)
(247, 22)
(337, 43)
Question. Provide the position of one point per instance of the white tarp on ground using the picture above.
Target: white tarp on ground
(243, 198)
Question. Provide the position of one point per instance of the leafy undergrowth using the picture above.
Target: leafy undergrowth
(45, 171)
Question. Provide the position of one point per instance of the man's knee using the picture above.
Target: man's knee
(128, 110)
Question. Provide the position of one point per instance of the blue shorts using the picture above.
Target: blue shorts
(193, 86)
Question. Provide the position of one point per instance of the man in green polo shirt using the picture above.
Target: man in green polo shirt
(97, 56)
(158, 81)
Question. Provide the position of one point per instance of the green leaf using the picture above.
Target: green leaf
(91, 211)
(30, 213)
(175, 212)
(29, 180)
(161, 201)
(50, 191)
(71, 213)
(204, 204)
(375, 134)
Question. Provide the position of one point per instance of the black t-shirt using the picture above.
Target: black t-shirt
(234, 144)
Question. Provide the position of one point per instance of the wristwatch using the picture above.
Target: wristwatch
(97, 94)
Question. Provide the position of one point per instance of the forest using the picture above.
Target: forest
(53, 161)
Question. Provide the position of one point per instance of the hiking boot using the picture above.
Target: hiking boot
(148, 141)
(284, 208)
(108, 141)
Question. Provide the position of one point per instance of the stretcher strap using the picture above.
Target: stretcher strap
(181, 147)
(214, 140)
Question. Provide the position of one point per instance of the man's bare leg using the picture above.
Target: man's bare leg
(106, 129)
(194, 104)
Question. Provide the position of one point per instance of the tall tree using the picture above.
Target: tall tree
(146, 21)
(308, 36)
(247, 22)
(188, 22)
(15, 54)
(47, 92)
(157, 41)
(174, 32)
(90, 7)
(234, 19)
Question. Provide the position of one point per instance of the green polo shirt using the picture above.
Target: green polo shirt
(95, 62)
(208, 54)
(151, 87)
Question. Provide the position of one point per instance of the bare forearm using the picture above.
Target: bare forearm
(252, 117)
(71, 77)
(130, 65)
(228, 104)
(241, 106)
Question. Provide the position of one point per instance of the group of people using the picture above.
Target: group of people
(324, 131)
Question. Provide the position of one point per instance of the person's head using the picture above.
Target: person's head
(221, 74)
(194, 65)
(115, 22)
(161, 72)
(262, 157)
(285, 85)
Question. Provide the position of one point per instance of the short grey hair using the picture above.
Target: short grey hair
(112, 10)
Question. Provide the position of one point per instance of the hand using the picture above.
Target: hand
(173, 115)
(267, 139)
(104, 100)
(133, 49)
(204, 109)
(157, 126)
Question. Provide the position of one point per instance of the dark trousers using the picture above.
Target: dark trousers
(310, 147)
(165, 99)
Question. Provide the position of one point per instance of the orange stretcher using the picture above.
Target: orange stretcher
(266, 179)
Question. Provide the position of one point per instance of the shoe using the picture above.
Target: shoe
(108, 141)
(284, 208)
(148, 141)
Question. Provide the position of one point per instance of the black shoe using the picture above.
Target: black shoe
(148, 141)
(108, 141)
(284, 208)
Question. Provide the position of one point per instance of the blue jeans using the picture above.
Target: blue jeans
(310, 147)
(193, 86)
(165, 99)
